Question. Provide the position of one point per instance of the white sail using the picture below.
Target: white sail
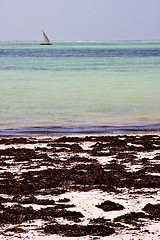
(47, 42)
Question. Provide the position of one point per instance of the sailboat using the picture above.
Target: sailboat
(47, 42)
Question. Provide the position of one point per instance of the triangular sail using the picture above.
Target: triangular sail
(46, 38)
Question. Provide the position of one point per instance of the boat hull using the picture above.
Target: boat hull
(46, 44)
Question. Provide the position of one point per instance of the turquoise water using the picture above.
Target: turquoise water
(79, 84)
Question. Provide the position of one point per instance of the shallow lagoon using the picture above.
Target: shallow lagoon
(79, 84)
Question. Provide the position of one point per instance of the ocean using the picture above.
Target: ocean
(79, 87)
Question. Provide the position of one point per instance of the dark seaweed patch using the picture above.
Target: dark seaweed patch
(153, 210)
(79, 230)
(110, 206)
(131, 218)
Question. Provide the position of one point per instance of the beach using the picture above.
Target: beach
(80, 187)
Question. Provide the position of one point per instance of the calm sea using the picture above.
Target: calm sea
(73, 87)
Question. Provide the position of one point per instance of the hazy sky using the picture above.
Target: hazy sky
(80, 19)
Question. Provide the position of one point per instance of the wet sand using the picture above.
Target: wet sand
(90, 187)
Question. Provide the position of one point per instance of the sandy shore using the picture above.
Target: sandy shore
(88, 187)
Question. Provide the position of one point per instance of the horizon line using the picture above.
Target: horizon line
(131, 40)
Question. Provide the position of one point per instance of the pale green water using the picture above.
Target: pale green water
(76, 84)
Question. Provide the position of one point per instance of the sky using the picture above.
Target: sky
(79, 20)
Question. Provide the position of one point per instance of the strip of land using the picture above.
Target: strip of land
(83, 187)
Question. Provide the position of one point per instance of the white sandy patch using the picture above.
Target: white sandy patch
(85, 202)
(133, 167)
(149, 155)
(21, 146)
(104, 160)
(134, 145)
(154, 174)
(86, 145)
